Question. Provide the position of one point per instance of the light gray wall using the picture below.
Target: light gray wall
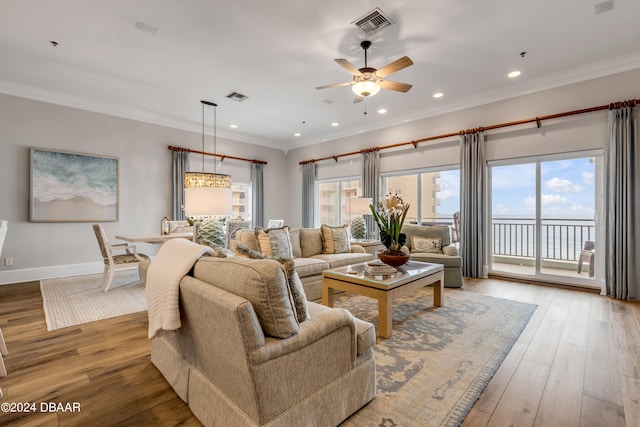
(53, 249)
(581, 132)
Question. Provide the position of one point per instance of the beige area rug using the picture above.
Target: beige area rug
(70, 301)
(432, 369)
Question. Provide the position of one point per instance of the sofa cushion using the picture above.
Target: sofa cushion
(335, 240)
(307, 267)
(218, 251)
(310, 242)
(441, 231)
(274, 242)
(294, 237)
(294, 282)
(446, 260)
(426, 244)
(262, 282)
(247, 238)
(340, 260)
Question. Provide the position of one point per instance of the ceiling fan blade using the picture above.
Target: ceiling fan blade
(349, 67)
(334, 85)
(394, 67)
(400, 87)
(358, 99)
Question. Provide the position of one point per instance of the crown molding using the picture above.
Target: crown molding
(566, 77)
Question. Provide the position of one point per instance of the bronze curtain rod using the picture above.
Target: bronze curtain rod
(222, 156)
(537, 120)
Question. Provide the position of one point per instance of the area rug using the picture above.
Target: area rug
(433, 368)
(75, 300)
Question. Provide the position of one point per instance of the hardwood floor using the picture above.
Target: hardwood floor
(576, 364)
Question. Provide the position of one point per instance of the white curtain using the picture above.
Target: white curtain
(180, 167)
(257, 194)
(473, 181)
(371, 186)
(308, 188)
(622, 204)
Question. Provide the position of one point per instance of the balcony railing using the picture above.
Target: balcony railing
(561, 239)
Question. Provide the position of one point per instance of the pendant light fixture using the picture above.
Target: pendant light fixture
(208, 194)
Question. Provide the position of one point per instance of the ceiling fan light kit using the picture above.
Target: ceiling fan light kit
(367, 81)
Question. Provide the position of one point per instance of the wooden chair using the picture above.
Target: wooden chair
(112, 261)
(3, 346)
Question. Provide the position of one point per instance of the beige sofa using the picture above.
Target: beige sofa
(449, 256)
(309, 260)
(222, 363)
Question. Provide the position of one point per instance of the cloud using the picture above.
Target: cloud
(547, 200)
(559, 185)
(588, 178)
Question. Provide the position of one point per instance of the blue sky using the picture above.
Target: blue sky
(568, 189)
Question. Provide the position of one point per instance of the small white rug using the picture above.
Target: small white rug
(75, 300)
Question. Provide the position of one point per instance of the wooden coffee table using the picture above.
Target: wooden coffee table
(385, 289)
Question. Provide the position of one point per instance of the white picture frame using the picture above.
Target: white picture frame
(275, 223)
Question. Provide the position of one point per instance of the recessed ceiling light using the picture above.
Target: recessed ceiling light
(513, 74)
(297, 134)
(233, 126)
(382, 111)
(334, 124)
(438, 95)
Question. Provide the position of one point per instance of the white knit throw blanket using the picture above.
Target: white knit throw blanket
(173, 260)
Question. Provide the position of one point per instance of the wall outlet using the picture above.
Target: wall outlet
(8, 261)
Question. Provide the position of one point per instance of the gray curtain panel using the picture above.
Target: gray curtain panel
(308, 187)
(473, 172)
(180, 167)
(622, 205)
(371, 187)
(257, 194)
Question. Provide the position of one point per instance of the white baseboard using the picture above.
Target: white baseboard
(39, 273)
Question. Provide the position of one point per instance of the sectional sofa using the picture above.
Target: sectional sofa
(310, 259)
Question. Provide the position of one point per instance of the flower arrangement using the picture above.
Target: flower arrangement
(390, 218)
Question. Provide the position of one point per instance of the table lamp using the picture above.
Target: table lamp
(358, 206)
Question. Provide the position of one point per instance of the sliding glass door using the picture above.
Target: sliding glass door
(544, 218)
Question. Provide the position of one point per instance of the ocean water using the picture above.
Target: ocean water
(64, 176)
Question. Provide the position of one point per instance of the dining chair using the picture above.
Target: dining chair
(3, 346)
(112, 261)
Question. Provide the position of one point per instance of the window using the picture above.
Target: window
(332, 200)
(434, 195)
(544, 214)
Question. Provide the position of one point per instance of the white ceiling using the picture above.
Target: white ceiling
(276, 52)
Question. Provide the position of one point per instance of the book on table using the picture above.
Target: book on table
(379, 269)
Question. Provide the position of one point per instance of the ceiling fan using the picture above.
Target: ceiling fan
(368, 81)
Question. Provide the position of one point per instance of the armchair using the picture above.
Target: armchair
(112, 261)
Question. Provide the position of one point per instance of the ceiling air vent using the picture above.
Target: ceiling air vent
(373, 21)
(237, 96)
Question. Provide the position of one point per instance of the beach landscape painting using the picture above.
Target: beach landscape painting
(73, 187)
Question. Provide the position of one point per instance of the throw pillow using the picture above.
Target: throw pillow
(293, 279)
(431, 245)
(218, 251)
(335, 240)
(211, 229)
(274, 242)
